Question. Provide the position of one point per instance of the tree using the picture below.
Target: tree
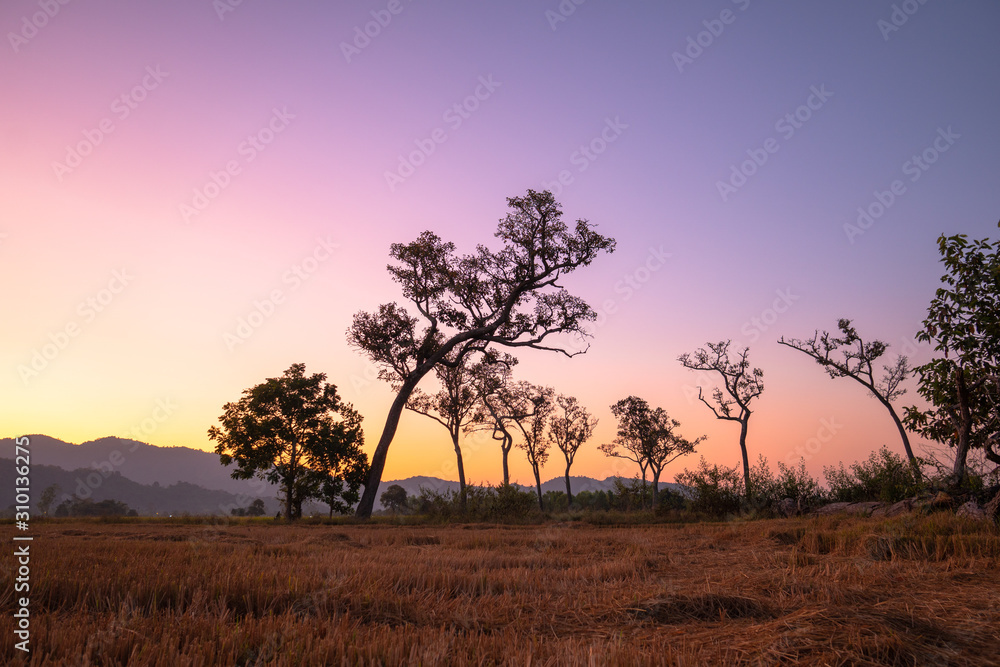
(284, 430)
(647, 436)
(256, 508)
(454, 407)
(963, 322)
(394, 498)
(665, 446)
(632, 414)
(501, 403)
(856, 362)
(569, 428)
(532, 427)
(510, 297)
(742, 386)
(48, 497)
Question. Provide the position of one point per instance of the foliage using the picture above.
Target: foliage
(509, 297)
(884, 476)
(394, 498)
(87, 507)
(48, 497)
(715, 490)
(502, 503)
(569, 428)
(256, 508)
(284, 431)
(963, 323)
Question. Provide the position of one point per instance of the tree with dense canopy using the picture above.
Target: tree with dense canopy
(394, 498)
(963, 322)
(285, 431)
(569, 428)
(856, 361)
(742, 385)
(509, 297)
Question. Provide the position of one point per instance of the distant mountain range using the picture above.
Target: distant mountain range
(175, 480)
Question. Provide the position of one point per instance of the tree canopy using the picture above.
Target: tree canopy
(285, 431)
(510, 297)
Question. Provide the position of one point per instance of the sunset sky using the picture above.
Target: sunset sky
(170, 169)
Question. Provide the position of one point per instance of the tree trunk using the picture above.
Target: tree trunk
(569, 494)
(288, 499)
(656, 488)
(461, 472)
(746, 459)
(963, 428)
(902, 434)
(642, 496)
(538, 486)
(367, 503)
(505, 446)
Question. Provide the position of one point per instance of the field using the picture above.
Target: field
(818, 591)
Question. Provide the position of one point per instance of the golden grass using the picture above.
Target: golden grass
(820, 591)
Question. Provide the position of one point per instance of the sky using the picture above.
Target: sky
(196, 195)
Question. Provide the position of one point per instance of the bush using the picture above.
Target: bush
(884, 476)
(715, 490)
(504, 504)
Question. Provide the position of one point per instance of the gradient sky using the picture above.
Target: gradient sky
(116, 115)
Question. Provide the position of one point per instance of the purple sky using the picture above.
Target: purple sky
(214, 159)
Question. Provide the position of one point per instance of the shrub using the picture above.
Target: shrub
(715, 490)
(884, 476)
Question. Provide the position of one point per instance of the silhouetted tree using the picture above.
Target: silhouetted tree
(569, 428)
(963, 322)
(48, 497)
(664, 446)
(857, 362)
(742, 385)
(510, 297)
(532, 427)
(394, 498)
(454, 407)
(284, 430)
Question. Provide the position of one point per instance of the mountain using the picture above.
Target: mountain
(146, 499)
(152, 469)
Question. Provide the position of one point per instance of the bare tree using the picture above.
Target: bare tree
(454, 407)
(532, 427)
(510, 297)
(569, 428)
(742, 385)
(857, 359)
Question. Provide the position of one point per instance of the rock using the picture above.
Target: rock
(992, 508)
(972, 510)
(858, 509)
(941, 501)
(788, 507)
(902, 507)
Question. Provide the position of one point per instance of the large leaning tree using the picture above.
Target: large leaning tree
(857, 360)
(286, 430)
(453, 406)
(963, 323)
(570, 426)
(510, 297)
(742, 385)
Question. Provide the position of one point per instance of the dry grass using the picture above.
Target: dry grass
(823, 591)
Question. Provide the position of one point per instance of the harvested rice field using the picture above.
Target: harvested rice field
(807, 591)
